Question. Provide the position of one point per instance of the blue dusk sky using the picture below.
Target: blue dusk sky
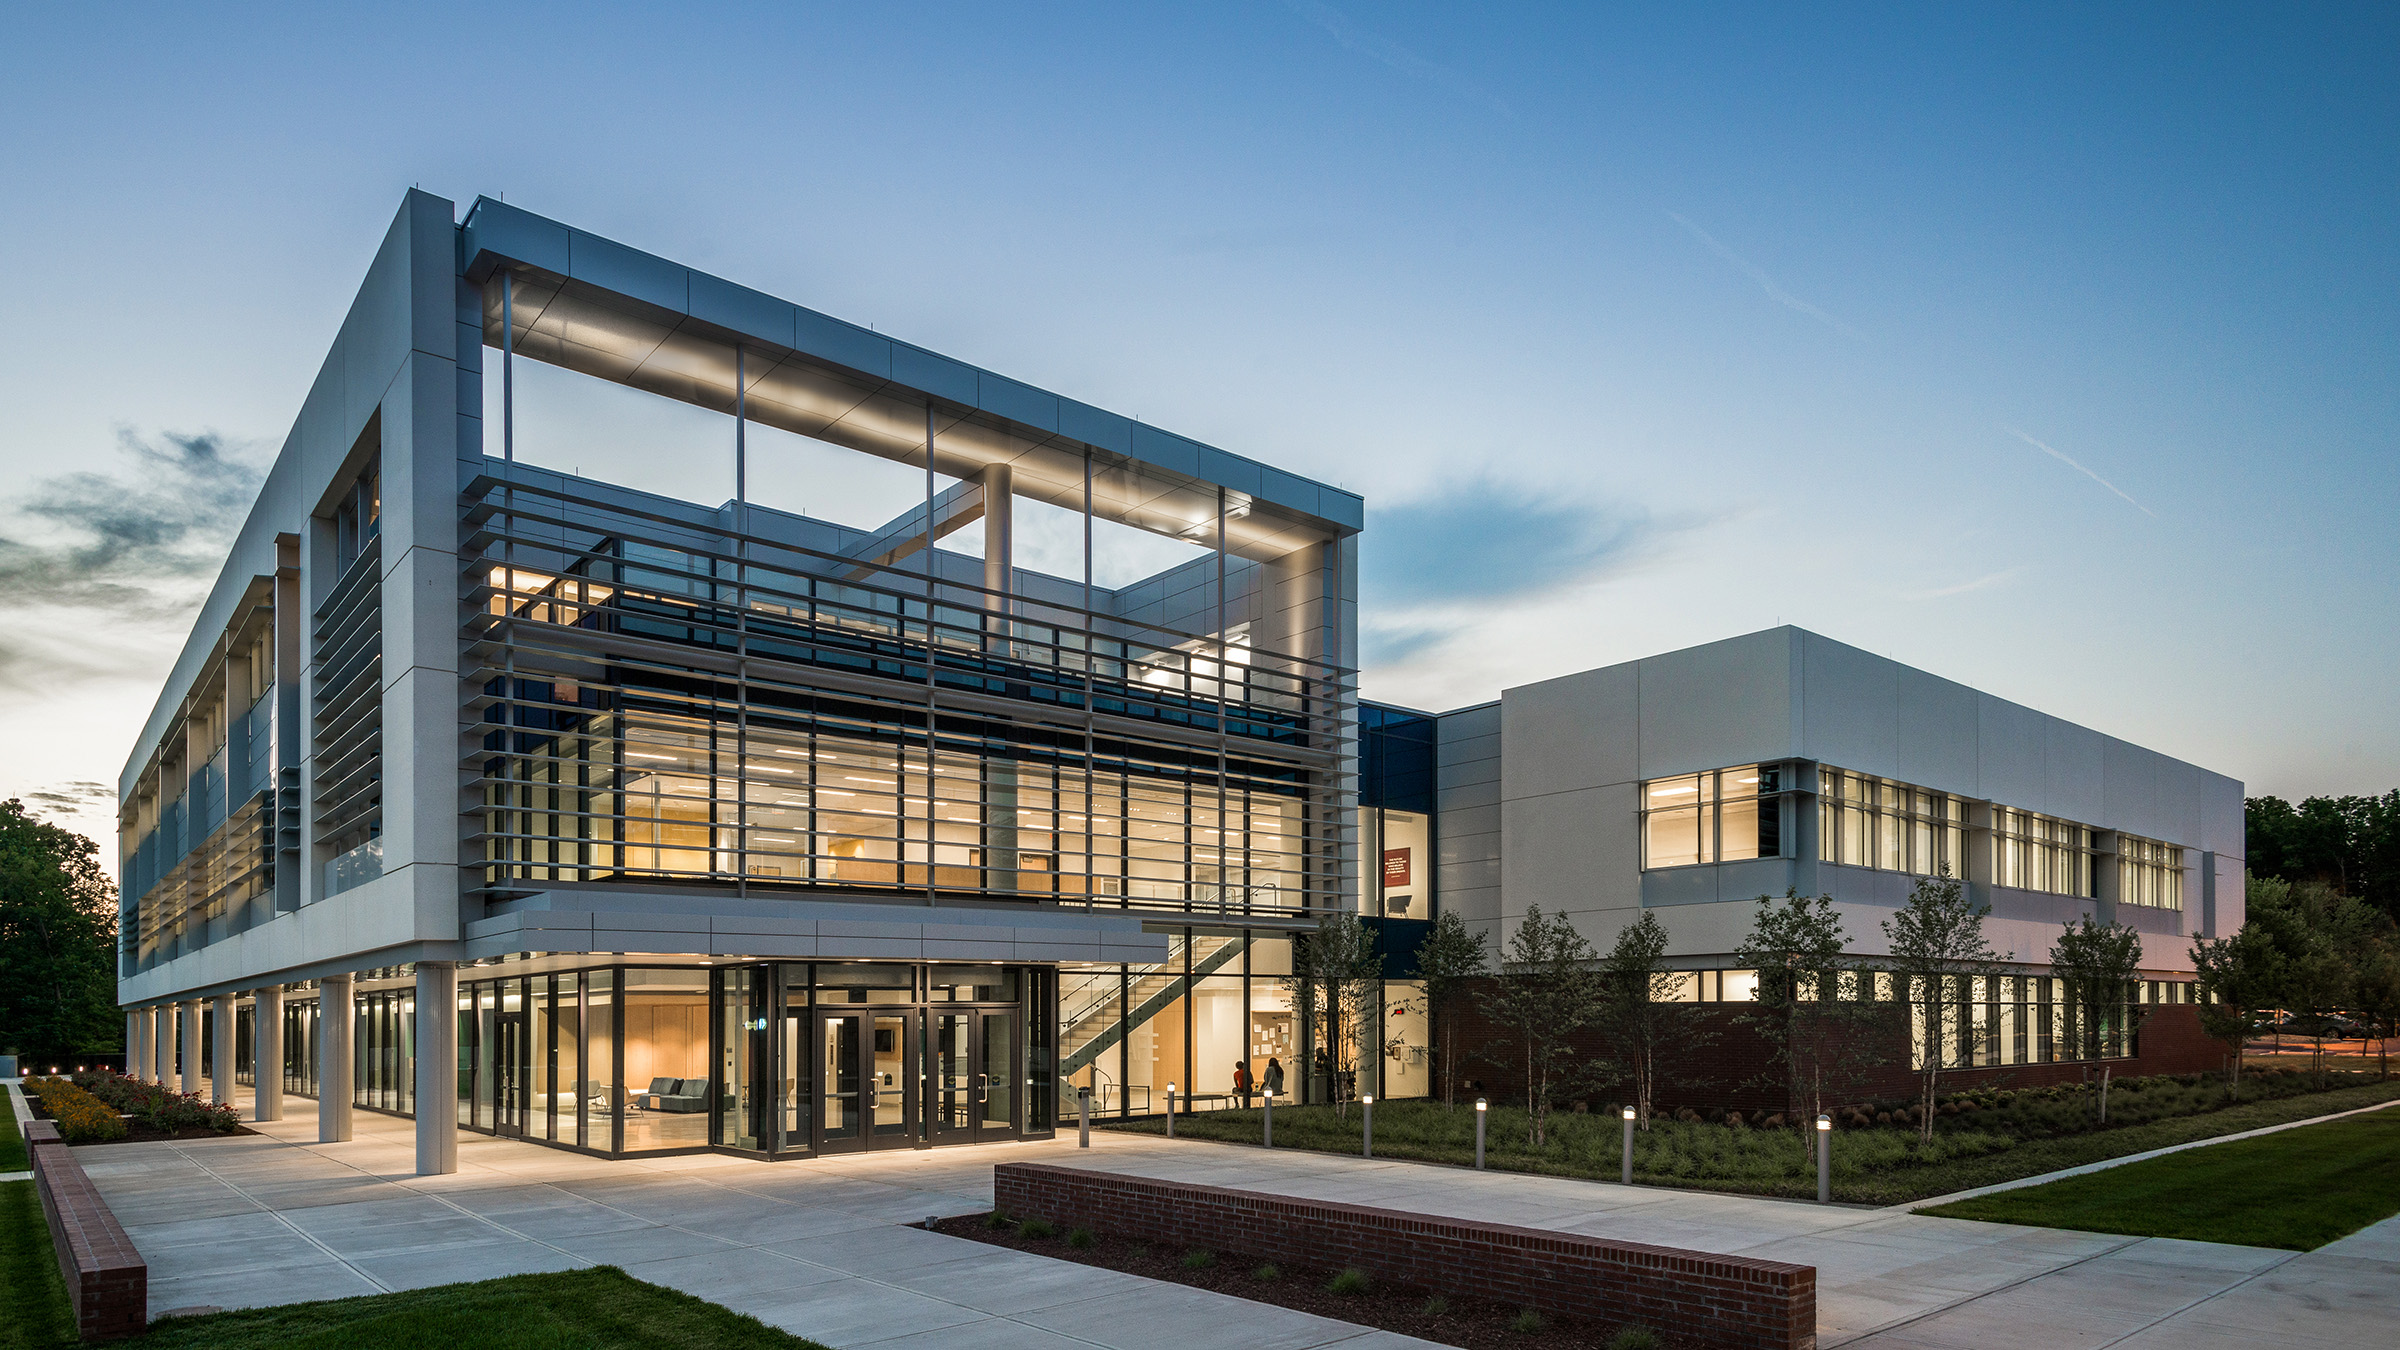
(2050, 349)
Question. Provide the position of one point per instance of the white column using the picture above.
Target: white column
(437, 1068)
(220, 1076)
(335, 1078)
(133, 1039)
(139, 1050)
(188, 1038)
(162, 1042)
(266, 1050)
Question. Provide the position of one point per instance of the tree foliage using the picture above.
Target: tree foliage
(2096, 965)
(1550, 988)
(1646, 1024)
(2241, 986)
(2350, 844)
(1450, 956)
(1938, 944)
(1806, 1011)
(58, 941)
(1335, 986)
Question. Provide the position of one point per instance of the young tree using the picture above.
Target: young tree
(1450, 955)
(1336, 972)
(1550, 987)
(1816, 1049)
(58, 940)
(2375, 998)
(2317, 932)
(2095, 963)
(1938, 945)
(2240, 979)
(1643, 1020)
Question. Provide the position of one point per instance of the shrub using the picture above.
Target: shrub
(81, 1117)
(1634, 1338)
(1266, 1274)
(1437, 1306)
(1199, 1258)
(1080, 1239)
(1528, 1322)
(996, 1219)
(1036, 1229)
(1352, 1280)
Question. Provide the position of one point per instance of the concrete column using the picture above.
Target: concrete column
(140, 1050)
(133, 1038)
(266, 1053)
(999, 529)
(437, 1068)
(335, 1078)
(162, 1043)
(189, 1043)
(220, 1077)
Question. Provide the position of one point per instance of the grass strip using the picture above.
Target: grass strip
(601, 1308)
(1879, 1166)
(2299, 1190)
(34, 1312)
(12, 1140)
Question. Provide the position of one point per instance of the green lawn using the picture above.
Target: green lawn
(1881, 1166)
(12, 1143)
(2299, 1189)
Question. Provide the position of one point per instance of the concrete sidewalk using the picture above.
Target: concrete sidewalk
(816, 1246)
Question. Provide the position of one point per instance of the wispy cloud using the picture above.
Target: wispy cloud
(1383, 49)
(95, 567)
(2070, 463)
(1979, 583)
(1480, 541)
(1766, 283)
(73, 798)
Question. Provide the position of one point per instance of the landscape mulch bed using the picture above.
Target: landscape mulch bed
(1474, 1324)
(138, 1133)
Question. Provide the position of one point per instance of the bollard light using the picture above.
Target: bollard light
(1367, 1130)
(1270, 1119)
(1083, 1107)
(1481, 1106)
(1170, 1110)
(1824, 1160)
(1627, 1177)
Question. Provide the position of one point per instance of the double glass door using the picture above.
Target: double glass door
(898, 1077)
(512, 1064)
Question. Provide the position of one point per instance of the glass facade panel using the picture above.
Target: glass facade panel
(1725, 815)
(2149, 873)
(1873, 822)
(1401, 881)
(665, 1027)
(2038, 853)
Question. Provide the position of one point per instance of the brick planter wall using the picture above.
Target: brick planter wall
(107, 1280)
(1696, 1298)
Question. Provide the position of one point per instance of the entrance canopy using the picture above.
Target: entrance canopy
(600, 308)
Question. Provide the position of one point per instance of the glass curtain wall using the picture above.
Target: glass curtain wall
(1724, 815)
(383, 1050)
(1864, 821)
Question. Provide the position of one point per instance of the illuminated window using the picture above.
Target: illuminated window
(2149, 873)
(1892, 827)
(1721, 816)
(2038, 853)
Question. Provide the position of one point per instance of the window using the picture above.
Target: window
(2149, 873)
(2038, 853)
(1721, 816)
(1892, 827)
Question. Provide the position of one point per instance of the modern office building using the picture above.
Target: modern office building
(717, 824)
(1690, 784)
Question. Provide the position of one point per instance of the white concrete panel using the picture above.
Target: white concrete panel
(1570, 850)
(1571, 733)
(1936, 732)
(1726, 703)
(1850, 707)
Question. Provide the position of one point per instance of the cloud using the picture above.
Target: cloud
(1479, 541)
(86, 553)
(73, 797)
(1766, 283)
(1941, 592)
(1390, 53)
(2081, 470)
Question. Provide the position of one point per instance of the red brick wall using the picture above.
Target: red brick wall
(1725, 1072)
(1695, 1298)
(107, 1280)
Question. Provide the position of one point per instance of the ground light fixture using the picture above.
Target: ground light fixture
(1628, 1114)
(1170, 1110)
(1083, 1109)
(1824, 1159)
(1269, 1140)
(1481, 1106)
(1367, 1131)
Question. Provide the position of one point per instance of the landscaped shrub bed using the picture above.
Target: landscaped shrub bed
(1347, 1295)
(134, 1111)
(1979, 1138)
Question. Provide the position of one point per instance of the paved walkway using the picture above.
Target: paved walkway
(816, 1246)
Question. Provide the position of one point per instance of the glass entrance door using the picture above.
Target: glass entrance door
(511, 1056)
(891, 1078)
(972, 1076)
(841, 1082)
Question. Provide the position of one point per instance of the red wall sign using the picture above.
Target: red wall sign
(1395, 867)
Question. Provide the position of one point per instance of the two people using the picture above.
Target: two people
(1271, 1080)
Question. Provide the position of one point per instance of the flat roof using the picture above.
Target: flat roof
(597, 306)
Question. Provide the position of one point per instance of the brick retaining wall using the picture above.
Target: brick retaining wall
(107, 1280)
(1695, 1298)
